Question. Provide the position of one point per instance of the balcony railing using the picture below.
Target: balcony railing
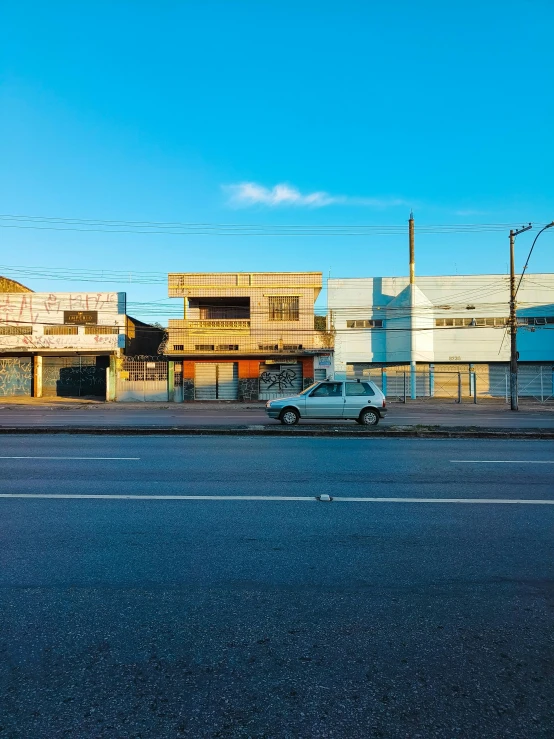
(219, 324)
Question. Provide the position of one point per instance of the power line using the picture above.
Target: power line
(138, 277)
(178, 228)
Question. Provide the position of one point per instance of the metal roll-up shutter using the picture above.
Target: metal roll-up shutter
(227, 381)
(15, 376)
(74, 377)
(205, 381)
(280, 380)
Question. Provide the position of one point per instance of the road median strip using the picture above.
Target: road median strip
(425, 432)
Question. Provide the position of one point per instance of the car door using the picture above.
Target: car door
(325, 401)
(357, 395)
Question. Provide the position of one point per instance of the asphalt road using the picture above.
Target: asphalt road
(181, 415)
(270, 614)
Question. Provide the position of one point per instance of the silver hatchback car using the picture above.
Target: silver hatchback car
(361, 401)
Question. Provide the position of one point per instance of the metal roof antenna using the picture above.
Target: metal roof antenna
(412, 247)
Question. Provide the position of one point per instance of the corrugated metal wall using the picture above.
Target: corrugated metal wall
(16, 375)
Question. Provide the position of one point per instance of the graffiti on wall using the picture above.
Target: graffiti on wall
(15, 376)
(38, 341)
(282, 380)
(43, 307)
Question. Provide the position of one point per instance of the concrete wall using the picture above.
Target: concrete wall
(36, 311)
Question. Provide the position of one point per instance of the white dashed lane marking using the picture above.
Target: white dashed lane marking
(104, 459)
(265, 498)
(502, 461)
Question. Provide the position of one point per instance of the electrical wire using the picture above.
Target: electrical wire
(178, 228)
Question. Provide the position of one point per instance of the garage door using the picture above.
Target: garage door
(280, 380)
(15, 376)
(74, 377)
(216, 381)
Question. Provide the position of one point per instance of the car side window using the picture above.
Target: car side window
(328, 390)
(359, 388)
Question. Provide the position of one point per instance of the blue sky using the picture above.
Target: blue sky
(277, 112)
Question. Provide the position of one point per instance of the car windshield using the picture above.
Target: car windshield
(310, 387)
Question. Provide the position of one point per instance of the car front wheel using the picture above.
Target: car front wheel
(289, 417)
(369, 418)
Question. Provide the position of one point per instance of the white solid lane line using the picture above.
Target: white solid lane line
(131, 459)
(487, 501)
(502, 461)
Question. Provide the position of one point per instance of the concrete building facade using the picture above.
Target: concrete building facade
(449, 324)
(59, 343)
(247, 336)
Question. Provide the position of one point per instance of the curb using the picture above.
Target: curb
(455, 432)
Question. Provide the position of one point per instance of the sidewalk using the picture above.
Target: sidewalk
(467, 405)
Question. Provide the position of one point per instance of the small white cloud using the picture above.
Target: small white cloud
(244, 194)
(470, 212)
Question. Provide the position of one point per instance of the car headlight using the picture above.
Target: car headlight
(268, 404)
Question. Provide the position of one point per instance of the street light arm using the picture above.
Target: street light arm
(548, 225)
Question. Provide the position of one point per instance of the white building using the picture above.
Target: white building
(445, 324)
(58, 343)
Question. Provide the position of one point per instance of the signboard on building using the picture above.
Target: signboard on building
(324, 360)
(80, 317)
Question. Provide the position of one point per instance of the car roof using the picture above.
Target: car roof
(365, 379)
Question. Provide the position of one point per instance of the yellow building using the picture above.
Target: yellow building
(247, 335)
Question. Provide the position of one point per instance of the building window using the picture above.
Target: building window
(535, 321)
(178, 347)
(284, 308)
(15, 330)
(460, 322)
(101, 330)
(291, 347)
(228, 347)
(61, 330)
(372, 323)
(268, 347)
(204, 347)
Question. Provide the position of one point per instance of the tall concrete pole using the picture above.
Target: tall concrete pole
(513, 320)
(412, 248)
(513, 329)
(411, 238)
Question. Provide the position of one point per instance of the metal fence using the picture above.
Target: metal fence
(534, 381)
(144, 379)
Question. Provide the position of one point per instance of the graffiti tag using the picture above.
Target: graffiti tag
(281, 381)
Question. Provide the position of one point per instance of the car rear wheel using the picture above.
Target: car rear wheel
(369, 417)
(289, 417)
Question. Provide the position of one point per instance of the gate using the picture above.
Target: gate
(15, 376)
(492, 381)
(536, 382)
(142, 381)
(216, 381)
(280, 380)
(74, 377)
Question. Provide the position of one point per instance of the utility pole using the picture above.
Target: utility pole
(513, 319)
(413, 368)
